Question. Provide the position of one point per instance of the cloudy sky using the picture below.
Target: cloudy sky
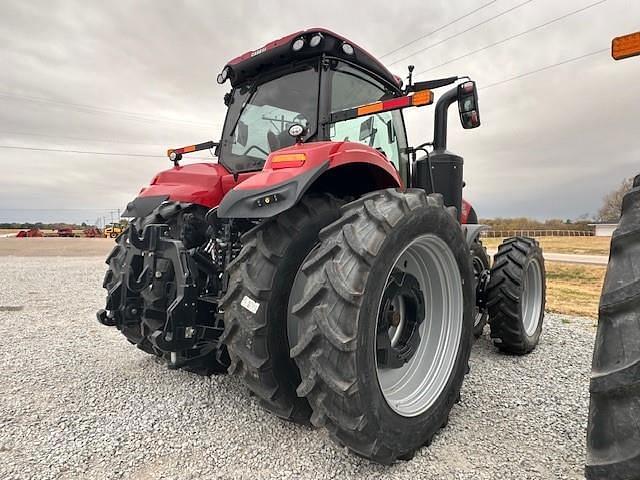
(136, 77)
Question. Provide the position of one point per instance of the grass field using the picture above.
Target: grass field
(574, 289)
(575, 245)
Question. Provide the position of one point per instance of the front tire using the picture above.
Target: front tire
(516, 296)
(389, 248)
(256, 303)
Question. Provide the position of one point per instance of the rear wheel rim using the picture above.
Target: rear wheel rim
(413, 388)
(531, 302)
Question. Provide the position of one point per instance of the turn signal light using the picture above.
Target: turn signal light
(422, 97)
(625, 46)
(288, 160)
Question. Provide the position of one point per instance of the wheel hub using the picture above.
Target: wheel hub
(402, 312)
(423, 294)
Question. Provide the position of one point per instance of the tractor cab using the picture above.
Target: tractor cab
(301, 80)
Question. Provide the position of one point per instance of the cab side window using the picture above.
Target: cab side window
(351, 88)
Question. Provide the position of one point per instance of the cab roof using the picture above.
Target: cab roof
(280, 52)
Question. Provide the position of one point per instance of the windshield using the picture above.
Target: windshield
(259, 118)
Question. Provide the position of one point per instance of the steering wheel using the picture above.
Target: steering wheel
(246, 152)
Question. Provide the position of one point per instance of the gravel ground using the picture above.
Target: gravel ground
(77, 401)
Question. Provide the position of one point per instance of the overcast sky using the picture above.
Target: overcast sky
(551, 144)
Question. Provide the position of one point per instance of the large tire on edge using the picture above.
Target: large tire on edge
(338, 314)
(256, 303)
(516, 295)
(613, 433)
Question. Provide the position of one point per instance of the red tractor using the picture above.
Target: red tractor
(339, 273)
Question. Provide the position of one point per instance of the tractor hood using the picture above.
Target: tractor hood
(200, 183)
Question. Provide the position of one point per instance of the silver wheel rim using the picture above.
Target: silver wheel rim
(413, 388)
(531, 300)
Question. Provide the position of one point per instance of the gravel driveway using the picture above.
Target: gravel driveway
(77, 401)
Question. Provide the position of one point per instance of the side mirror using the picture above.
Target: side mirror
(391, 132)
(242, 133)
(366, 129)
(468, 105)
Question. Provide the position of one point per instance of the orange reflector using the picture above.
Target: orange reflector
(371, 108)
(625, 46)
(422, 97)
(289, 157)
(190, 148)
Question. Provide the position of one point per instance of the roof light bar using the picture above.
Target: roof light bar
(418, 99)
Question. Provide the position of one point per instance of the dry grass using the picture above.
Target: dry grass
(574, 289)
(576, 245)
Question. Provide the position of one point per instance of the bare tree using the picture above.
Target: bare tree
(612, 202)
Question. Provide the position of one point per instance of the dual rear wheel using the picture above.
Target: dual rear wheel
(357, 318)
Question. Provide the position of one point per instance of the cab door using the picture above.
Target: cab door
(348, 86)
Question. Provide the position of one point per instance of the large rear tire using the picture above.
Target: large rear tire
(613, 433)
(516, 296)
(256, 303)
(383, 323)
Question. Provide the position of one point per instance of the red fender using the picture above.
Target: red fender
(318, 153)
(280, 185)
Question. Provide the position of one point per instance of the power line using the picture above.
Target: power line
(438, 29)
(116, 154)
(462, 32)
(84, 139)
(542, 69)
(96, 109)
(512, 37)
